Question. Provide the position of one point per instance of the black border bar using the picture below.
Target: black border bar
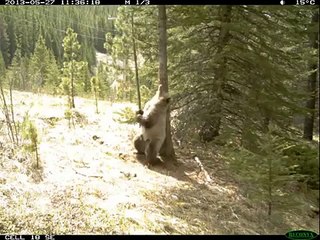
(157, 2)
(140, 237)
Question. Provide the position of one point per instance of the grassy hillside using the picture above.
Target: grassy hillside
(91, 182)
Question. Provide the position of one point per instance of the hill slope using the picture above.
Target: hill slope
(90, 182)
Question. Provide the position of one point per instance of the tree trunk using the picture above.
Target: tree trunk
(7, 115)
(37, 155)
(72, 85)
(167, 150)
(135, 61)
(12, 112)
(311, 86)
(96, 98)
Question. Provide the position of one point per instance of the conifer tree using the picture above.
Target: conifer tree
(39, 64)
(71, 63)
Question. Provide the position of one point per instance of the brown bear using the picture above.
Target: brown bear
(153, 126)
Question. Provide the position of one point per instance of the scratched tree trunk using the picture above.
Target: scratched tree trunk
(167, 150)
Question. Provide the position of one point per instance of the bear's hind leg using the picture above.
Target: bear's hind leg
(152, 150)
(139, 144)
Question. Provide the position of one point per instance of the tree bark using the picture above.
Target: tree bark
(311, 86)
(167, 150)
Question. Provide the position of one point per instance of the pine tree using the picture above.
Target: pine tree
(39, 64)
(53, 74)
(12, 39)
(19, 72)
(71, 48)
(102, 74)
(4, 40)
(83, 76)
(30, 134)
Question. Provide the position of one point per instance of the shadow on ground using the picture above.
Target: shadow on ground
(177, 169)
(217, 207)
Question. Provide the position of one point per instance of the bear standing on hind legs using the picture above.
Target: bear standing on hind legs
(153, 126)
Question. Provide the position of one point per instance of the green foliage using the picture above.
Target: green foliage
(95, 88)
(277, 163)
(73, 116)
(51, 23)
(39, 64)
(146, 93)
(69, 116)
(65, 88)
(104, 80)
(82, 76)
(146, 38)
(2, 65)
(44, 70)
(108, 44)
(73, 68)
(71, 46)
(302, 159)
(125, 115)
(18, 73)
(30, 134)
(94, 84)
(53, 77)
(65, 85)
(236, 76)
(4, 47)
(35, 42)
(120, 49)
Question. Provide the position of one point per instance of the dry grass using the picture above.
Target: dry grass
(90, 182)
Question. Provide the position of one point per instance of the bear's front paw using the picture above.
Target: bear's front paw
(139, 112)
(139, 118)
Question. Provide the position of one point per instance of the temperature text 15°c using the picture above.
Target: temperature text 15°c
(305, 2)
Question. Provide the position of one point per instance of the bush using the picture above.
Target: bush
(302, 159)
(125, 115)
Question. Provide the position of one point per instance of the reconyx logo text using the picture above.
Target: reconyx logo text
(301, 235)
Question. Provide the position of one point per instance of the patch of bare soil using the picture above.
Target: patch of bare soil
(91, 182)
